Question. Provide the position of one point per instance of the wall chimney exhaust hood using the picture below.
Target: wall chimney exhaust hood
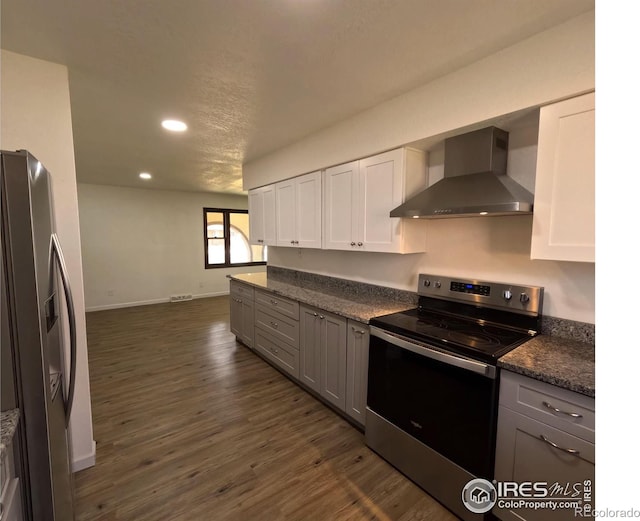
(475, 181)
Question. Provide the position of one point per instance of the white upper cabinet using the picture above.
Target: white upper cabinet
(262, 216)
(358, 197)
(299, 211)
(341, 205)
(564, 207)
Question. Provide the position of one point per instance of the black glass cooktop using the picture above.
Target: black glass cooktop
(467, 336)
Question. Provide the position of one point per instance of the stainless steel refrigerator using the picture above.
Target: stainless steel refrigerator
(41, 379)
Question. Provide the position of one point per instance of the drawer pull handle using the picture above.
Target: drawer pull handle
(274, 302)
(321, 317)
(560, 411)
(274, 324)
(358, 331)
(555, 446)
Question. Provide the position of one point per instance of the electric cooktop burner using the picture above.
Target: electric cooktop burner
(476, 319)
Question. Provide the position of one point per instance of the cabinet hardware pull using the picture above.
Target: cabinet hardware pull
(321, 317)
(274, 324)
(359, 331)
(568, 451)
(359, 244)
(560, 411)
(353, 244)
(315, 314)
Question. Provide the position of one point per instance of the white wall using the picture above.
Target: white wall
(554, 64)
(36, 115)
(141, 246)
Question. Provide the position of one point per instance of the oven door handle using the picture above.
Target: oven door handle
(450, 359)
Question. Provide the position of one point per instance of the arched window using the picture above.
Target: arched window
(226, 239)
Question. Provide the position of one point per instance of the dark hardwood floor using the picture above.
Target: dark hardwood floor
(191, 425)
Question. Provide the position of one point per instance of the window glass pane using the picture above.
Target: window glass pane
(241, 250)
(215, 228)
(215, 251)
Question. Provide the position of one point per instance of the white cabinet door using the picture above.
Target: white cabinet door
(262, 216)
(357, 368)
(269, 215)
(359, 196)
(298, 211)
(564, 207)
(256, 216)
(286, 213)
(380, 191)
(341, 206)
(308, 215)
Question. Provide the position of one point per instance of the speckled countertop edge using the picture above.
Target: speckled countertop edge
(337, 304)
(563, 362)
(552, 357)
(8, 424)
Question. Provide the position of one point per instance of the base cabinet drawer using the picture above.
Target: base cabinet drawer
(269, 300)
(532, 451)
(567, 410)
(281, 327)
(284, 356)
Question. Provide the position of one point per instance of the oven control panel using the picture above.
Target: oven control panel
(466, 287)
(500, 295)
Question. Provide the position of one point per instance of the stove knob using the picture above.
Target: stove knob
(506, 294)
(426, 283)
(524, 298)
(438, 284)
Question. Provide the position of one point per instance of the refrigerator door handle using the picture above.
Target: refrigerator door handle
(56, 252)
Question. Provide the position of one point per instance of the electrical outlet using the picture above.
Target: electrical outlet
(181, 298)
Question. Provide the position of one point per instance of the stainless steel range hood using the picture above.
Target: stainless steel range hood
(475, 181)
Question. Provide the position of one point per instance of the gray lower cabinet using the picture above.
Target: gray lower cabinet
(327, 353)
(323, 352)
(357, 368)
(277, 331)
(310, 347)
(545, 434)
(281, 354)
(241, 304)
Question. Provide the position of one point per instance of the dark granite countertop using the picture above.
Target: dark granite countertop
(561, 356)
(8, 425)
(356, 307)
(559, 361)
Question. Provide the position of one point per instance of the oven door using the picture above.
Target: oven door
(443, 400)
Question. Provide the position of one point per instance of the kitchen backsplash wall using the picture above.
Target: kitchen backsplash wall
(492, 249)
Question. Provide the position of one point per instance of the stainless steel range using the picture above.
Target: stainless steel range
(433, 380)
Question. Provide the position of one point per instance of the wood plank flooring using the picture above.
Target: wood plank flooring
(191, 425)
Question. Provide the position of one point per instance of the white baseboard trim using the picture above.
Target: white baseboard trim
(149, 302)
(85, 462)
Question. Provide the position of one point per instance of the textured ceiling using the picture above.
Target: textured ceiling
(248, 76)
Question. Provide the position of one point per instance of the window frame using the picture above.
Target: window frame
(226, 227)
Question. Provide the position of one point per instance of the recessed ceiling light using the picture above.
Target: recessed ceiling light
(174, 125)
(145, 175)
